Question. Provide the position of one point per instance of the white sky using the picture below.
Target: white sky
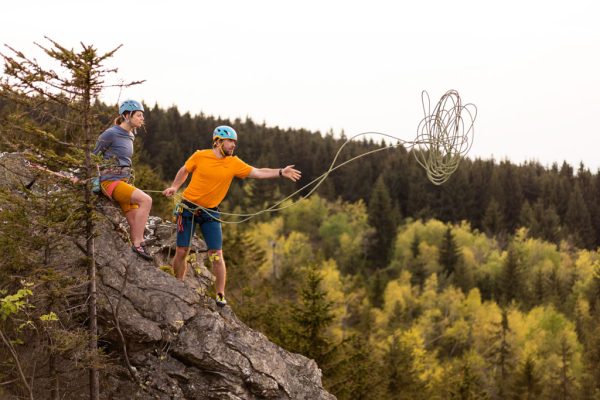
(531, 67)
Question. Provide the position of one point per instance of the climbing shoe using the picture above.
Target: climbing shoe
(220, 299)
(142, 252)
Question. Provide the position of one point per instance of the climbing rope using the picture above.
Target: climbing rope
(444, 136)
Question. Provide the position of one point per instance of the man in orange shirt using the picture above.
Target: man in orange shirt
(212, 172)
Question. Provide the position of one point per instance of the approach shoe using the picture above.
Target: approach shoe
(142, 252)
(220, 299)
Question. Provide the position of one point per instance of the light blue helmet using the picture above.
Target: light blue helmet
(131, 106)
(224, 132)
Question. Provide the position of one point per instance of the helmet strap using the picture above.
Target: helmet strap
(126, 121)
(220, 146)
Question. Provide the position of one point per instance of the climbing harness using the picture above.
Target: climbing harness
(97, 187)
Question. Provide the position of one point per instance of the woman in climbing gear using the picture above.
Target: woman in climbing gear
(116, 146)
(212, 172)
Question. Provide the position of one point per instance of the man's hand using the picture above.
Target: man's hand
(291, 173)
(170, 191)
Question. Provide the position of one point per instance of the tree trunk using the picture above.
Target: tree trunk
(94, 376)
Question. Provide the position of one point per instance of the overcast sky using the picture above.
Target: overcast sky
(532, 68)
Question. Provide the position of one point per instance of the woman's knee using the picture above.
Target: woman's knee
(147, 199)
(141, 198)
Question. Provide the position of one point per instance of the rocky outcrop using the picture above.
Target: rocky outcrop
(179, 344)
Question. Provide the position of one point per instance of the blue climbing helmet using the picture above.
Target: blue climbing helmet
(224, 132)
(131, 106)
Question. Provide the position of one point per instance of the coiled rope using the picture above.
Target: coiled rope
(444, 136)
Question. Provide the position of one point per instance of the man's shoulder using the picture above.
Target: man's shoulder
(198, 155)
(202, 153)
(237, 159)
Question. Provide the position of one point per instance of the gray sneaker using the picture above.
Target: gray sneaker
(142, 252)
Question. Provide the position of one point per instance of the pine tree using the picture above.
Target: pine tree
(591, 358)
(60, 132)
(383, 220)
(514, 197)
(493, 220)
(578, 220)
(312, 317)
(480, 180)
(450, 253)
(247, 290)
(548, 223)
(511, 277)
(414, 246)
(468, 385)
(528, 382)
(501, 353)
(403, 382)
(377, 283)
(565, 378)
(415, 265)
(527, 217)
(358, 374)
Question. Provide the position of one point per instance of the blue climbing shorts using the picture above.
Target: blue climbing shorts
(210, 227)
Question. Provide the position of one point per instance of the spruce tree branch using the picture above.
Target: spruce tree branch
(9, 382)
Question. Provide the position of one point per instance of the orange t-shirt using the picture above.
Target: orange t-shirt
(212, 176)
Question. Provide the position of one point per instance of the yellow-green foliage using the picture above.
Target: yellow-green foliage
(430, 232)
(546, 336)
(293, 252)
(480, 254)
(424, 363)
(452, 324)
(13, 304)
(305, 215)
(454, 333)
(332, 284)
(331, 230)
(398, 296)
(586, 269)
(51, 316)
(265, 235)
(342, 232)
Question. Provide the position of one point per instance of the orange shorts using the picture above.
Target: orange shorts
(121, 194)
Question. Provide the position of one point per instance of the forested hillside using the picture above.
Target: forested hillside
(483, 288)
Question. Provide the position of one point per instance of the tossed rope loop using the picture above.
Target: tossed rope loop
(444, 136)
